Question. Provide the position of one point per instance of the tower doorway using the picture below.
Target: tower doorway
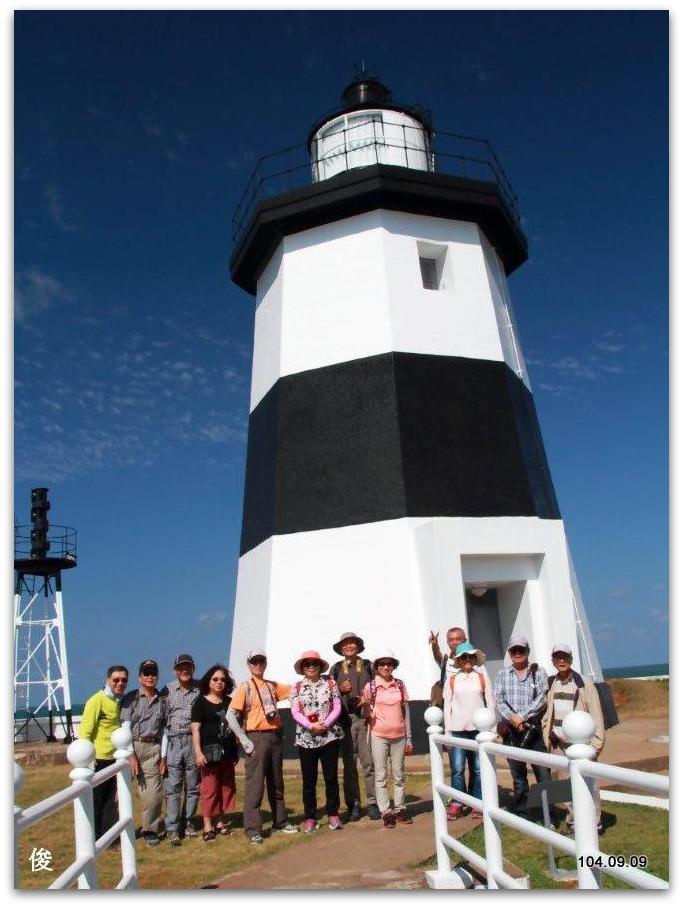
(483, 626)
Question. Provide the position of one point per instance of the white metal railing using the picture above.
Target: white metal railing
(583, 773)
(84, 780)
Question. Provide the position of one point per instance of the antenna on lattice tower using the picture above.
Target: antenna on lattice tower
(41, 670)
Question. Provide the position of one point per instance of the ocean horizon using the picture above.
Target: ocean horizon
(652, 670)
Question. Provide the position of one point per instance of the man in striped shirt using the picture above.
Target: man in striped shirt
(177, 750)
(520, 695)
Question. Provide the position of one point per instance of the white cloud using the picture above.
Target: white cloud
(209, 619)
(36, 291)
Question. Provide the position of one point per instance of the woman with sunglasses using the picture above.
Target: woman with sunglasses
(316, 707)
(469, 690)
(385, 706)
(215, 750)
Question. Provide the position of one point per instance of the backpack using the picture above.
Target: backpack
(401, 687)
(604, 691)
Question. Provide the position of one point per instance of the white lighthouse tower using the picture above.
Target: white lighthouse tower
(396, 478)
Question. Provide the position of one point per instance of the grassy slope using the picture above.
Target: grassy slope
(630, 830)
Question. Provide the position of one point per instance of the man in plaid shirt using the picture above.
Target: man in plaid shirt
(520, 693)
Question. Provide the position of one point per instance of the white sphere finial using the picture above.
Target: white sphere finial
(434, 717)
(19, 778)
(484, 720)
(578, 727)
(80, 753)
(122, 739)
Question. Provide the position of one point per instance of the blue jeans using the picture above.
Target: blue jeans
(457, 756)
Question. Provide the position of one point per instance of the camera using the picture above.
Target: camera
(528, 735)
(272, 715)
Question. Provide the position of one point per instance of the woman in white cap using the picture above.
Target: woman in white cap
(469, 690)
(385, 705)
(568, 691)
(316, 706)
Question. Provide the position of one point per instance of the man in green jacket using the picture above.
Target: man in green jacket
(101, 717)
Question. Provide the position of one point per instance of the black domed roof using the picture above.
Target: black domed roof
(365, 90)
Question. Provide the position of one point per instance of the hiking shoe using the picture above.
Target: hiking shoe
(151, 838)
(191, 831)
(255, 839)
(174, 839)
(373, 811)
(310, 825)
(389, 820)
(286, 829)
(453, 810)
(335, 823)
(353, 815)
(403, 817)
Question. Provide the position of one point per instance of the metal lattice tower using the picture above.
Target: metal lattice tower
(41, 671)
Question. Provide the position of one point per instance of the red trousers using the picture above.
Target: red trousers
(217, 788)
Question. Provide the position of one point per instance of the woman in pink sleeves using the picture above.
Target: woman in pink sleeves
(316, 706)
(385, 704)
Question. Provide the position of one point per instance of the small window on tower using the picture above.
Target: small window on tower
(432, 259)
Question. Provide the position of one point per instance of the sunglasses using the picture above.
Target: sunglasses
(310, 664)
(257, 661)
(116, 680)
(386, 664)
(218, 680)
(149, 672)
(562, 656)
(518, 650)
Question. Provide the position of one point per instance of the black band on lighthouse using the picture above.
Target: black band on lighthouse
(390, 436)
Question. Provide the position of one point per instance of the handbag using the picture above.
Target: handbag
(436, 694)
(213, 752)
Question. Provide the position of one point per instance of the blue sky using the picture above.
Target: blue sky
(134, 136)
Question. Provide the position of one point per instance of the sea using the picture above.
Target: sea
(655, 670)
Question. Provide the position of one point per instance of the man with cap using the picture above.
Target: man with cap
(255, 702)
(177, 750)
(568, 691)
(351, 674)
(143, 712)
(520, 694)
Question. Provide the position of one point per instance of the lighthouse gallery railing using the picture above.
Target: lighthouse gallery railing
(447, 152)
(584, 846)
(84, 780)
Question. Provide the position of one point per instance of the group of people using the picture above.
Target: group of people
(187, 738)
(530, 707)
(188, 735)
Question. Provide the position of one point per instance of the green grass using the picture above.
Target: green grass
(192, 865)
(629, 830)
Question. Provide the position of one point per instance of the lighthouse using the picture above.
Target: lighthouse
(396, 478)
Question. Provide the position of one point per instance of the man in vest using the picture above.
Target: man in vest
(351, 674)
(568, 691)
(101, 717)
(144, 712)
(255, 703)
(520, 695)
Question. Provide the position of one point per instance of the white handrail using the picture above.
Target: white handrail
(80, 754)
(583, 772)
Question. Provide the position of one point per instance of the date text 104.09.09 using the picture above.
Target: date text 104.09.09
(601, 861)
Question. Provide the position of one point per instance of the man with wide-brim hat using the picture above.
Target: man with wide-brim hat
(351, 674)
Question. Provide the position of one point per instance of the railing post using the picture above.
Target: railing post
(122, 740)
(80, 754)
(19, 779)
(579, 728)
(485, 722)
(434, 716)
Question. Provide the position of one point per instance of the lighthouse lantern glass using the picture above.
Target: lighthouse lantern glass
(370, 137)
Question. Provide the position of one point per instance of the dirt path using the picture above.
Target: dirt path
(362, 855)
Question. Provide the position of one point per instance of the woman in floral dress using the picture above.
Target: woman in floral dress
(316, 707)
